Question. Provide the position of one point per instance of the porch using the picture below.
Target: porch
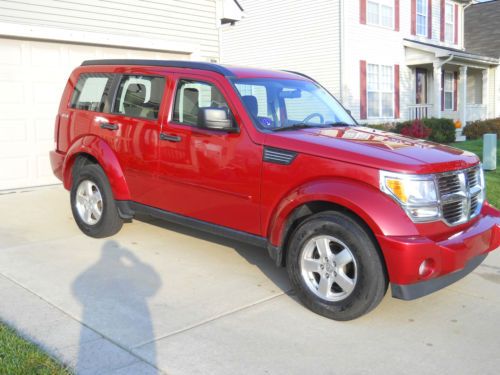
(447, 83)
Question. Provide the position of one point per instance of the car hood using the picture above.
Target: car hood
(373, 148)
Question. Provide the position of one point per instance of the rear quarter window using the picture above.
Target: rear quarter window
(91, 91)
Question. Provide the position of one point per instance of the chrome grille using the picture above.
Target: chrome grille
(453, 212)
(461, 195)
(472, 177)
(449, 184)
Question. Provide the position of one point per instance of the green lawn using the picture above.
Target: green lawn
(20, 357)
(492, 177)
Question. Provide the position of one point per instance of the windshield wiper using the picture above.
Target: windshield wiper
(299, 125)
(340, 123)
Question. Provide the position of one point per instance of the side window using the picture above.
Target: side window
(191, 96)
(139, 96)
(91, 91)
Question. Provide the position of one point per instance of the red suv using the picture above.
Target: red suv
(272, 159)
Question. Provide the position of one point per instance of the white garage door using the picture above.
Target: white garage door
(32, 77)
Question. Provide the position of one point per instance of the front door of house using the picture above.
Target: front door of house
(421, 86)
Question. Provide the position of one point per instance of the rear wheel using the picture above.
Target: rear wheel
(92, 203)
(335, 267)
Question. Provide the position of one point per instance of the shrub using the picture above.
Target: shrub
(416, 129)
(443, 129)
(476, 129)
(386, 127)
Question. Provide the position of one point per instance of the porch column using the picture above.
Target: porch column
(462, 103)
(437, 89)
(462, 96)
(485, 101)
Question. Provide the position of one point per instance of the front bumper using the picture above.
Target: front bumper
(451, 258)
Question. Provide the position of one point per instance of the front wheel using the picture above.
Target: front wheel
(92, 203)
(335, 267)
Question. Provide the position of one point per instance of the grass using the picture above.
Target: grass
(20, 357)
(492, 177)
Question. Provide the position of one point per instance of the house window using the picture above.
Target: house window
(449, 25)
(422, 17)
(380, 13)
(380, 91)
(448, 91)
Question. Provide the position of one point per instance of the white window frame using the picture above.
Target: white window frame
(381, 4)
(449, 37)
(452, 91)
(380, 92)
(423, 15)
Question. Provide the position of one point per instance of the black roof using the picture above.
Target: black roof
(165, 63)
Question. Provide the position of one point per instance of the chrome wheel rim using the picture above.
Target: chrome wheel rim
(89, 204)
(328, 268)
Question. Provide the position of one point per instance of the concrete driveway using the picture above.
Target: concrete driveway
(160, 298)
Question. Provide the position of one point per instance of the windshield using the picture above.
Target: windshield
(278, 103)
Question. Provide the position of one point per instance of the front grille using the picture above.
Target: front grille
(453, 212)
(460, 194)
(449, 184)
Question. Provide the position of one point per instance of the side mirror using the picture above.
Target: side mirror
(215, 119)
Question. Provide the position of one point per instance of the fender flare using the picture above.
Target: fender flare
(102, 152)
(380, 213)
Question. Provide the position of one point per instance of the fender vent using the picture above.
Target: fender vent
(278, 156)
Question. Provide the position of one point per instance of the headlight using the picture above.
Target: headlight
(416, 194)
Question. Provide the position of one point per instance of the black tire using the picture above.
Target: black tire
(367, 267)
(110, 221)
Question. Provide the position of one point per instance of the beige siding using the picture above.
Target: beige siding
(287, 34)
(179, 21)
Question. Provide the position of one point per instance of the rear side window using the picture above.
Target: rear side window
(91, 91)
(139, 96)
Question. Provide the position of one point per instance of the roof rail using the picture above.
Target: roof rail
(301, 74)
(165, 63)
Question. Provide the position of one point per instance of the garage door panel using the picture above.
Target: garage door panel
(10, 53)
(13, 130)
(33, 75)
(14, 172)
(12, 92)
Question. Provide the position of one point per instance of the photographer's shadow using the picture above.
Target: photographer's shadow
(114, 295)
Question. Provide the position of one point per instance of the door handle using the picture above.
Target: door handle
(107, 125)
(170, 137)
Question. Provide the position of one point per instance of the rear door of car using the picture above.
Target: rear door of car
(132, 129)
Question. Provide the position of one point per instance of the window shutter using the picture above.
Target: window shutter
(429, 19)
(396, 91)
(396, 15)
(362, 93)
(413, 17)
(442, 90)
(362, 12)
(456, 23)
(442, 19)
(455, 91)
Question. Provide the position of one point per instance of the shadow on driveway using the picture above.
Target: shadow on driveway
(254, 255)
(114, 295)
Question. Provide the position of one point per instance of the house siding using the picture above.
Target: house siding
(173, 20)
(288, 34)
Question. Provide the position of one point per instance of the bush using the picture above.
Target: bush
(476, 129)
(443, 129)
(385, 127)
(416, 129)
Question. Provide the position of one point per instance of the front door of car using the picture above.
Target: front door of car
(210, 175)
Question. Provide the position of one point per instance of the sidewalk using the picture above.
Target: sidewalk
(160, 298)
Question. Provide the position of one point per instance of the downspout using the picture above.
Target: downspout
(463, 23)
